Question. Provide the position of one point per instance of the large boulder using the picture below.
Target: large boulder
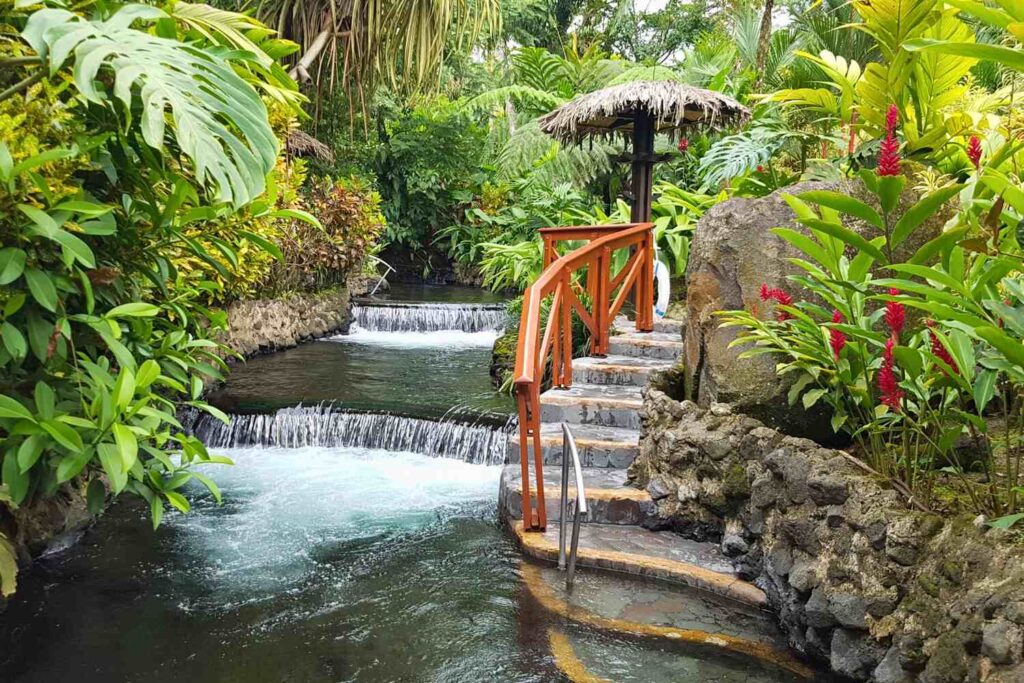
(732, 254)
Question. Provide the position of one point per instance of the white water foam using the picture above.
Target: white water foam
(406, 340)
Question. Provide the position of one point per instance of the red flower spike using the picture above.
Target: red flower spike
(940, 351)
(888, 386)
(836, 339)
(889, 154)
(777, 295)
(974, 151)
(895, 314)
(760, 168)
(684, 144)
(892, 118)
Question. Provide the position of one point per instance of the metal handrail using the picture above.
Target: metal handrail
(579, 506)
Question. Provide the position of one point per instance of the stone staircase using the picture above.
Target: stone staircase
(602, 411)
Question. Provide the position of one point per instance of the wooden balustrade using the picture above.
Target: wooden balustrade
(607, 292)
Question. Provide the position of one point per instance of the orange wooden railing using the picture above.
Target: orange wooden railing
(588, 269)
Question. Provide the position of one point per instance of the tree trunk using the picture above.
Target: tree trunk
(764, 39)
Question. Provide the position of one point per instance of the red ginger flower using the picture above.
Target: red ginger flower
(974, 151)
(778, 295)
(887, 383)
(895, 314)
(684, 144)
(836, 339)
(889, 155)
(939, 350)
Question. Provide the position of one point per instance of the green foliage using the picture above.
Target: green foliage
(944, 377)
(429, 157)
(111, 155)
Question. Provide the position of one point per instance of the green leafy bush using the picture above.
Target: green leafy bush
(111, 155)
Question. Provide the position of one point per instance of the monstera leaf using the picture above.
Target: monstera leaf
(217, 119)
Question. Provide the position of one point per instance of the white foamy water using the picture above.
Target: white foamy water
(407, 340)
(288, 511)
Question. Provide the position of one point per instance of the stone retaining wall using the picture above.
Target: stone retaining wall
(859, 582)
(266, 325)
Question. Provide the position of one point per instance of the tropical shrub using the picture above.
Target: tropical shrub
(110, 154)
(910, 390)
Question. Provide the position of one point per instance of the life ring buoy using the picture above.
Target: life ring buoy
(661, 279)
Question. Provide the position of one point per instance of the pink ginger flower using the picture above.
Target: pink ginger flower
(888, 386)
(778, 295)
(889, 155)
(974, 151)
(895, 315)
(836, 339)
(939, 350)
(684, 144)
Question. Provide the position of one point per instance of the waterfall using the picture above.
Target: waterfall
(429, 317)
(323, 426)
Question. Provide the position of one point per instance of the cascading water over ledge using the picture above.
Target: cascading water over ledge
(427, 317)
(321, 425)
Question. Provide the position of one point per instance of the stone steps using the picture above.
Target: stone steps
(661, 612)
(609, 499)
(660, 345)
(594, 656)
(597, 446)
(624, 324)
(593, 404)
(616, 370)
(633, 550)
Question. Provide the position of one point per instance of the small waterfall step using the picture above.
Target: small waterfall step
(614, 369)
(597, 446)
(609, 499)
(661, 612)
(597, 404)
(659, 555)
(377, 316)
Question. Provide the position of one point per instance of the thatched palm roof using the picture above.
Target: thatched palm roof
(610, 111)
(302, 144)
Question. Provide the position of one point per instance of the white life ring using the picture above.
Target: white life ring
(661, 278)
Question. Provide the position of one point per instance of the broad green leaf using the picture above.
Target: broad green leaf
(124, 388)
(1009, 347)
(156, 510)
(845, 204)
(209, 484)
(984, 389)
(263, 243)
(63, 434)
(110, 458)
(46, 400)
(909, 359)
(1007, 56)
(30, 450)
(14, 303)
(889, 190)
(71, 466)
(812, 397)
(12, 264)
(6, 162)
(920, 212)
(147, 374)
(12, 408)
(41, 288)
(1007, 521)
(127, 445)
(136, 309)
(14, 341)
(14, 479)
(8, 568)
(177, 500)
(847, 236)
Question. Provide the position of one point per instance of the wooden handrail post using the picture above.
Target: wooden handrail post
(525, 504)
(645, 300)
(538, 461)
(566, 378)
(602, 302)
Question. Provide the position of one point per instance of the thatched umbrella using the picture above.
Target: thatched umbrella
(302, 144)
(640, 110)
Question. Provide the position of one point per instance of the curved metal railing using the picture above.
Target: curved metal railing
(579, 506)
(586, 269)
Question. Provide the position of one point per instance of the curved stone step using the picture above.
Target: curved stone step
(609, 500)
(616, 370)
(608, 406)
(670, 325)
(597, 446)
(676, 614)
(658, 555)
(595, 657)
(661, 345)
